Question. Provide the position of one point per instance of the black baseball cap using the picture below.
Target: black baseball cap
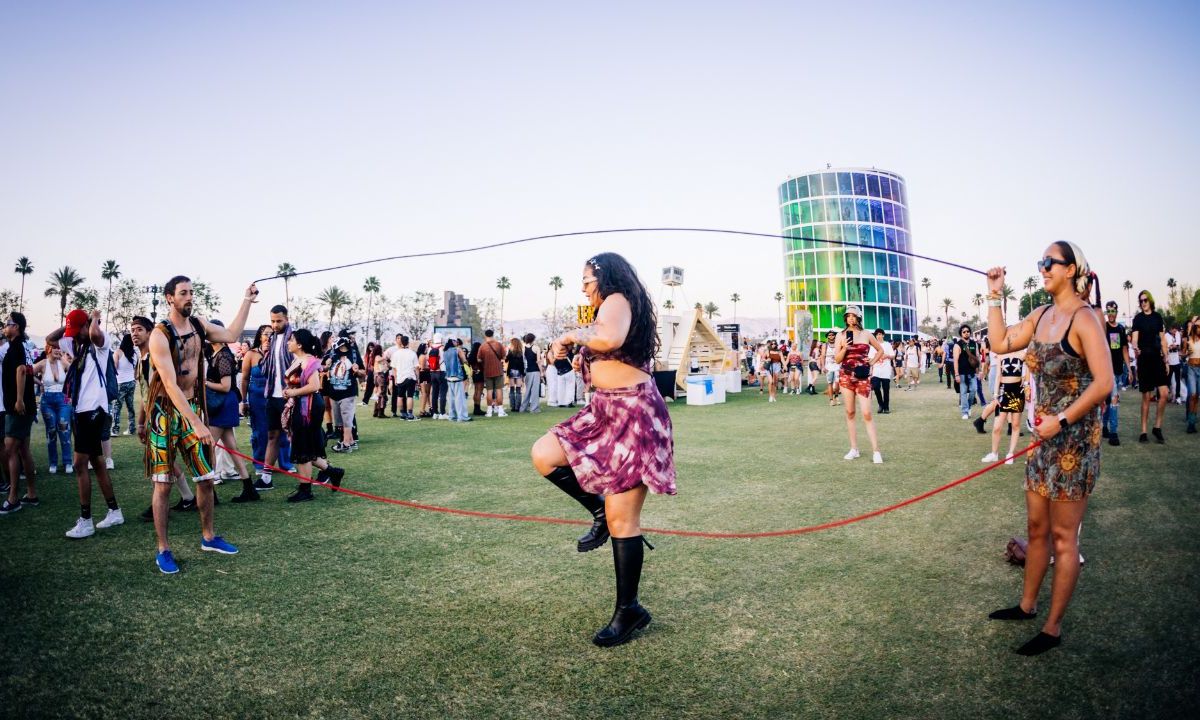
(1111, 305)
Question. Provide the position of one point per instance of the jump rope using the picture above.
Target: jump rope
(1089, 279)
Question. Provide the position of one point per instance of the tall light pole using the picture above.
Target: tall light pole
(154, 291)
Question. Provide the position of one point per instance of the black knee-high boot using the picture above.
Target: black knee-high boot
(628, 615)
(564, 478)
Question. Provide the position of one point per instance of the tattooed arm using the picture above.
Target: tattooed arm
(609, 330)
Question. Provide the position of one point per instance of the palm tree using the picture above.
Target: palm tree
(502, 284)
(1171, 285)
(1006, 294)
(1030, 284)
(371, 288)
(711, 309)
(109, 271)
(62, 283)
(25, 268)
(735, 299)
(286, 271)
(556, 283)
(1128, 285)
(977, 301)
(668, 305)
(925, 283)
(779, 309)
(336, 298)
(947, 305)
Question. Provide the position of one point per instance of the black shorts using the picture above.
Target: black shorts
(1012, 398)
(1152, 372)
(423, 375)
(275, 413)
(406, 388)
(90, 429)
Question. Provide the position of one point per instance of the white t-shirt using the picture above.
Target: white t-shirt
(912, 357)
(1174, 340)
(92, 395)
(403, 362)
(882, 370)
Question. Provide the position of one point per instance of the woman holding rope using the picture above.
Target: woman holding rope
(609, 454)
(1068, 358)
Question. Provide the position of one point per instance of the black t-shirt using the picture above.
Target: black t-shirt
(1117, 339)
(531, 360)
(964, 363)
(1148, 327)
(14, 358)
(516, 361)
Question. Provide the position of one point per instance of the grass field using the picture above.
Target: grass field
(344, 608)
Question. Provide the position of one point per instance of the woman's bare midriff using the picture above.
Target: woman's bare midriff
(614, 374)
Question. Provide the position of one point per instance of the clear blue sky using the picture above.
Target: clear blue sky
(218, 139)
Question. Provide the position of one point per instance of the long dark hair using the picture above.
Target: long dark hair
(325, 336)
(614, 274)
(307, 342)
(127, 347)
(256, 346)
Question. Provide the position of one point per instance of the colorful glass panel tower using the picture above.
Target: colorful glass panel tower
(867, 207)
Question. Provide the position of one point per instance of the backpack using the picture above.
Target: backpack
(1014, 552)
(74, 378)
(435, 359)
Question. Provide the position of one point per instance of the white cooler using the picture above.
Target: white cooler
(705, 389)
(733, 381)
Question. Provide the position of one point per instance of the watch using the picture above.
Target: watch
(1062, 421)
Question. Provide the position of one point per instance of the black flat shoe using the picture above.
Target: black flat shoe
(1013, 613)
(625, 622)
(1143, 438)
(1039, 644)
(1114, 440)
(248, 495)
(978, 425)
(1158, 436)
(303, 493)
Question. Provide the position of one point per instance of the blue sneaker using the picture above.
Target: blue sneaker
(218, 544)
(166, 562)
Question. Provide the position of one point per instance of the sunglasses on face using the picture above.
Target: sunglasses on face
(1143, 301)
(1046, 263)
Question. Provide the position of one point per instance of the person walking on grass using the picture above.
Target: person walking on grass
(1009, 396)
(223, 406)
(277, 360)
(611, 453)
(302, 415)
(533, 376)
(56, 411)
(125, 363)
(83, 339)
(343, 393)
(1118, 346)
(1150, 346)
(20, 409)
(492, 356)
(828, 351)
(176, 406)
(1191, 355)
(854, 376)
(1069, 358)
(965, 361)
(882, 371)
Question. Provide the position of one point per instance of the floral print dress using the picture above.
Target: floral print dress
(1066, 466)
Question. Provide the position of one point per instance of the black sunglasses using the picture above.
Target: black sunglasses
(1142, 300)
(1048, 262)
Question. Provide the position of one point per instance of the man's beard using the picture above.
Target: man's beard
(186, 310)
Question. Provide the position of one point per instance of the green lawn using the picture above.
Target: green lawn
(344, 608)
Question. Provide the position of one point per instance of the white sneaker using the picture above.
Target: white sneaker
(53, 470)
(990, 458)
(500, 412)
(851, 455)
(108, 463)
(489, 410)
(83, 528)
(877, 458)
(112, 519)
(1008, 460)
(69, 469)
(966, 417)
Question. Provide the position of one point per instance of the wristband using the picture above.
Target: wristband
(995, 302)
